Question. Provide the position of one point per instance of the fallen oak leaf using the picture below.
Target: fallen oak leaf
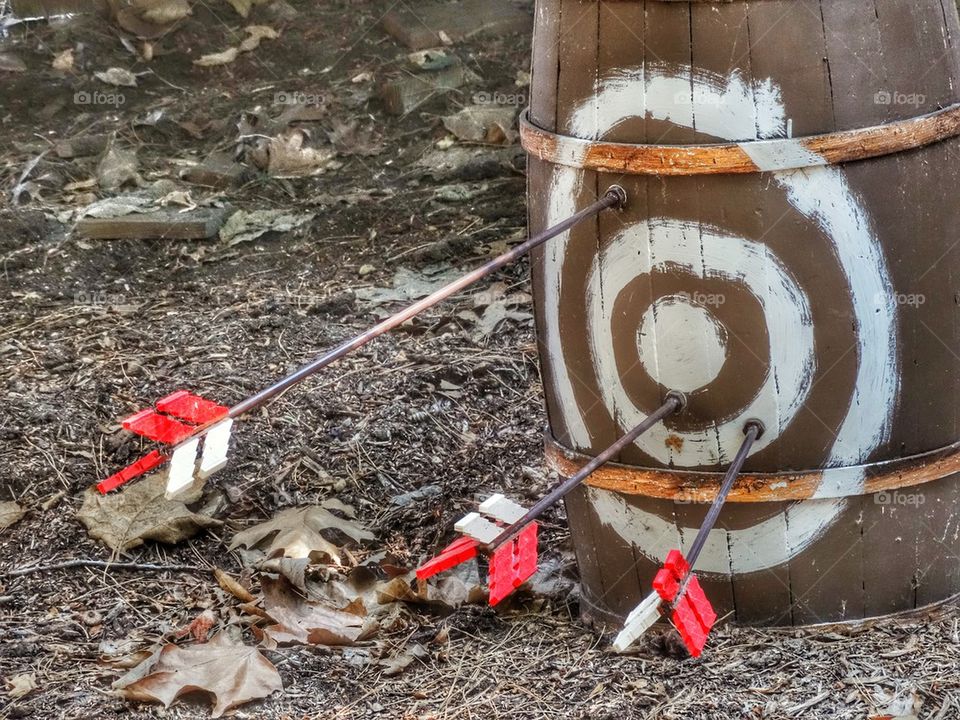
(255, 34)
(299, 621)
(63, 61)
(10, 513)
(142, 512)
(118, 77)
(233, 673)
(296, 533)
(286, 156)
(21, 685)
(243, 6)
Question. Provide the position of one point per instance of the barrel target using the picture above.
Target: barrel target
(822, 196)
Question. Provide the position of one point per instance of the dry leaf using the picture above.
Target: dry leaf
(286, 157)
(118, 77)
(244, 226)
(232, 672)
(163, 12)
(293, 569)
(483, 123)
(241, 6)
(141, 512)
(200, 627)
(299, 621)
(20, 685)
(400, 662)
(256, 34)
(232, 586)
(296, 533)
(118, 167)
(10, 513)
(222, 58)
(348, 139)
(63, 61)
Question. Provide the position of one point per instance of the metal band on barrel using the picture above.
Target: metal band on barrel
(741, 158)
(683, 486)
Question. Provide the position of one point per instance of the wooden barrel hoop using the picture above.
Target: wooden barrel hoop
(701, 487)
(745, 157)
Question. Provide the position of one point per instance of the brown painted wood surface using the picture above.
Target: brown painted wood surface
(870, 94)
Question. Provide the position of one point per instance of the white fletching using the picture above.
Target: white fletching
(182, 465)
(216, 445)
(638, 622)
(478, 528)
(500, 508)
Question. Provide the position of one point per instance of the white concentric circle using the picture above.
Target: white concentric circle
(681, 344)
(704, 253)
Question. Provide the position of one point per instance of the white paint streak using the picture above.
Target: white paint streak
(686, 333)
(841, 482)
(760, 547)
(564, 192)
(770, 155)
(822, 194)
(713, 104)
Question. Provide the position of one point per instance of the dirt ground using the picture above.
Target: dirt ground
(91, 331)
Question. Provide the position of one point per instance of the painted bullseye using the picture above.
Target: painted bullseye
(681, 345)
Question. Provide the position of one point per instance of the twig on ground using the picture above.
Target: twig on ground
(105, 564)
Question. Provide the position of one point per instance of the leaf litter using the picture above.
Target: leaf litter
(231, 672)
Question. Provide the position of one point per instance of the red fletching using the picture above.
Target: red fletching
(512, 564)
(693, 616)
(192, 408)
(161, 428)
(457, 552)
(141, 466)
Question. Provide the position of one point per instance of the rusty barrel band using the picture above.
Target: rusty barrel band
(743, 157)
(684, 486)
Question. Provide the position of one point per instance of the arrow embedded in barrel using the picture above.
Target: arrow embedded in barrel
(676, 584)
(182, 422)
(512, 545)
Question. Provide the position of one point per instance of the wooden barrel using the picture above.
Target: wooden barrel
(789, 253)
